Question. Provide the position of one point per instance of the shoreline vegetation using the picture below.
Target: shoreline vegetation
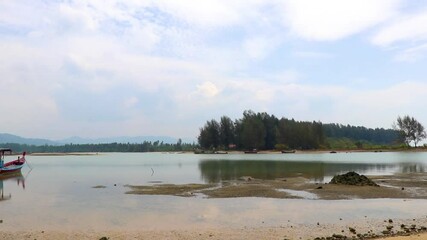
(314, 151)
(262, 131)
(256, 132)
(199, 151)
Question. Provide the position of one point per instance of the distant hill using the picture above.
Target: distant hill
(9, 138)
(123, 139)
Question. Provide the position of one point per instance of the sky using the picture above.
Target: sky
(107, 68)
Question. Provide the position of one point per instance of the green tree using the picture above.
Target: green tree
(226, 132)
(209, 135)
(410, 129)
(358, 133)
(253, 131)
(300, 135)
(270, 125)
(178, 145)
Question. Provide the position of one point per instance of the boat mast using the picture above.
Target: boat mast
(2, 151)
(1, 159)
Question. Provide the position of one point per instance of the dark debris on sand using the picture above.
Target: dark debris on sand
(353, 178)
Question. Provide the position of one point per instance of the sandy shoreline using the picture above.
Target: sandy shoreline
(319, 151)
(66, 154)
(412, 237)
(420, 149)
(372, 230)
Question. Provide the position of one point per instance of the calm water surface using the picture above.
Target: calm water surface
(58, 193)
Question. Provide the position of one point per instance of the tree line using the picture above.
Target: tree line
(261, 131)
(146, 146)
(265, 132)
(379, 136)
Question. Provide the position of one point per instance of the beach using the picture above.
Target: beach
(296, 232)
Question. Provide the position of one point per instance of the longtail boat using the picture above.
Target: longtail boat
(12, 166)
(288, 151)
(251, 151)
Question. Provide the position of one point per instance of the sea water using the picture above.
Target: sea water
(57, 191)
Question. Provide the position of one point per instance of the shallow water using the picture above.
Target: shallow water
(58, 192)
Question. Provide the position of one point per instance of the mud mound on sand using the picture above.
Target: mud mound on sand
(352, 178)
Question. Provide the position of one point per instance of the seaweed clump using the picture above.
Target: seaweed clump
(353, 178)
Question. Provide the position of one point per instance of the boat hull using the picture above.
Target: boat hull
(10, 170)
(293, 151)
(13, 166)
(251, 152)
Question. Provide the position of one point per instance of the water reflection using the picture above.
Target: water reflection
(214, 171)
(20, 180)
(412, 168)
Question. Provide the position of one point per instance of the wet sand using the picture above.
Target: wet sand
(405, 186)
(370, 229)
(339, 151)
(412, 237)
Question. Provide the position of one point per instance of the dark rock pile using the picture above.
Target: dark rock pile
(352, 178)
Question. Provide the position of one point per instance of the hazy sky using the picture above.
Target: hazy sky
(112, 68)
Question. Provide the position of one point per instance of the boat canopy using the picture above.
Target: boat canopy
(3, 150)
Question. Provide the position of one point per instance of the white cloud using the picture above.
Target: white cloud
(79, 15)
(412, 54)
(373, 108)
(130, 102)
(26, 108)
(22, 15)
(265, 95)
(399, 96)
(335, 19)
(380, 107)
(137, 62)
(405, 28)
(313, 55)
(258, 48)
(406, 35)
(202, 13)
(207, 89)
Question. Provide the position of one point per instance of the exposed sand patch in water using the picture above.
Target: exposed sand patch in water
(412, 185)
